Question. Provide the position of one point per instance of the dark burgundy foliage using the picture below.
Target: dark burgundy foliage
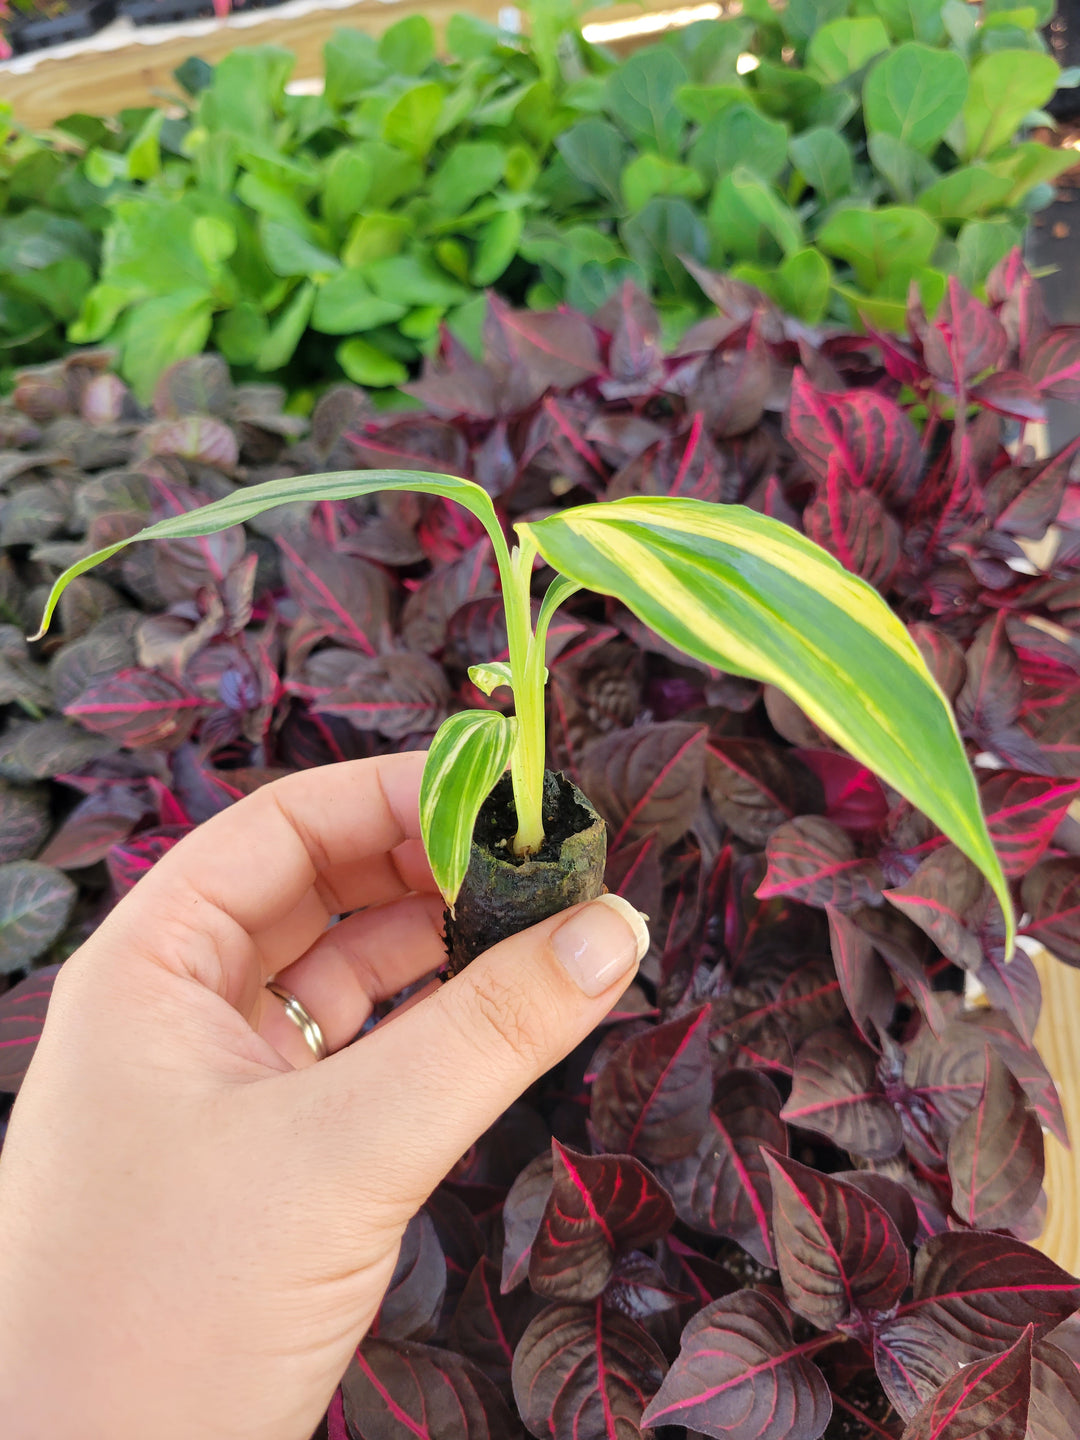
(788, 1190)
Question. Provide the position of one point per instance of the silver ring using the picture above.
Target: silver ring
(304, 1021)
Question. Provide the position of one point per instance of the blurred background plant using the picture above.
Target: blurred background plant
(830, 154)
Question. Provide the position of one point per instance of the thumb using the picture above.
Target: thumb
(423, 1089)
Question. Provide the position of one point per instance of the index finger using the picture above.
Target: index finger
(332, 839)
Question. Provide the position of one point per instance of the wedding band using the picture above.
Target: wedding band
(303, 1020)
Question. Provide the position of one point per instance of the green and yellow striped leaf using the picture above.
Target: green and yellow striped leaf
(245, 504)
(491, 675)
(469, 753)
(749, 595)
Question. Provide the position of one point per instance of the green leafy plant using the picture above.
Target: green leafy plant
(729, 587)
(870, 145)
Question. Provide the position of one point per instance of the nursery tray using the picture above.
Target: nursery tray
(170, 12)
(25, 34)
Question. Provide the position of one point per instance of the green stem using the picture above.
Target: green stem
(527, 759)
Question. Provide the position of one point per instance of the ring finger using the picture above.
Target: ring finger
(360, 961)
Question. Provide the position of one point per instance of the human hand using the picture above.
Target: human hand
(197, 1223)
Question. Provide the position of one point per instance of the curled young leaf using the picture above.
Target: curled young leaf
(469, 753)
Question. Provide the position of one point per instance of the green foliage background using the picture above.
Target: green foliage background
(872, 144)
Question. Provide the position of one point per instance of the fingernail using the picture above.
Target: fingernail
(600, 943)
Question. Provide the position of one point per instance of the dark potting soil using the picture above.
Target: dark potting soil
(564, 816)
(504, 893)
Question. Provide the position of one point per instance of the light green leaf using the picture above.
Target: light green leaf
(965, 193)
(352, 65)
(144, 153)
(366, 364)
(746, 594)
(748, 220)
(802, 285)
(981, 244)
(658, 234)
(801, 18)
(740, 136)
(1029, 164)
(346, 304)
(498, 245)
(906, 170)
(290, 254)
(160, 331)
(349, 178)
(240, 334)
(874, 242)
(214, 239)
(412, 122)
(491, 675)
(641, 96)
(248, 501)
(650, 175)
(285, 332)
(843, 47)
(413, 280)
(1004, 87)
(408, 47)
(375, 236)
(148, 249)
(907, 19)
(596, 153)
(701, 103)
(472, 168)
(915, 93)
(824, 161)
(99, 313)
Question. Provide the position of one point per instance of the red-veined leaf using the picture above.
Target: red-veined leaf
(854, 526)
(835, 1090)
(741, 1376)
(22, 1016)
(723, 1188)
(1051, 897)
(599, 1206)
(988, 1399)
(943, 898)
(1054, 365)
(413, 1301)
(522, 1213)
(582, 1370)
(754, 787)
(865, 434)
(652, 1097)
(1022, 813)
(864, 977)
(996, 1154)
(488, 1324)
(400, 1390)
(137, 708)
(812, 860)
(648, 777)
(838, 1251)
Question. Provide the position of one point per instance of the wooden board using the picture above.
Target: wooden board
(1058, 1042)
(137, 71)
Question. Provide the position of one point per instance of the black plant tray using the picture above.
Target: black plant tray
(167, 12)
(28, 34)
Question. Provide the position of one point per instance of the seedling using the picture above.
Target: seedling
(730, 587)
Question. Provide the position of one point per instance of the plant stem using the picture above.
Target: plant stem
(527, 759)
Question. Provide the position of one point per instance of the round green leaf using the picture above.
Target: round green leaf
(915, 93)
(1004, 87)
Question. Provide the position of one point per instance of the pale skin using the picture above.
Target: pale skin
(198, 1222)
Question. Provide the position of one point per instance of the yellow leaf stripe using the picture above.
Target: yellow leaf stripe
(748, 595)
(468, 755)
